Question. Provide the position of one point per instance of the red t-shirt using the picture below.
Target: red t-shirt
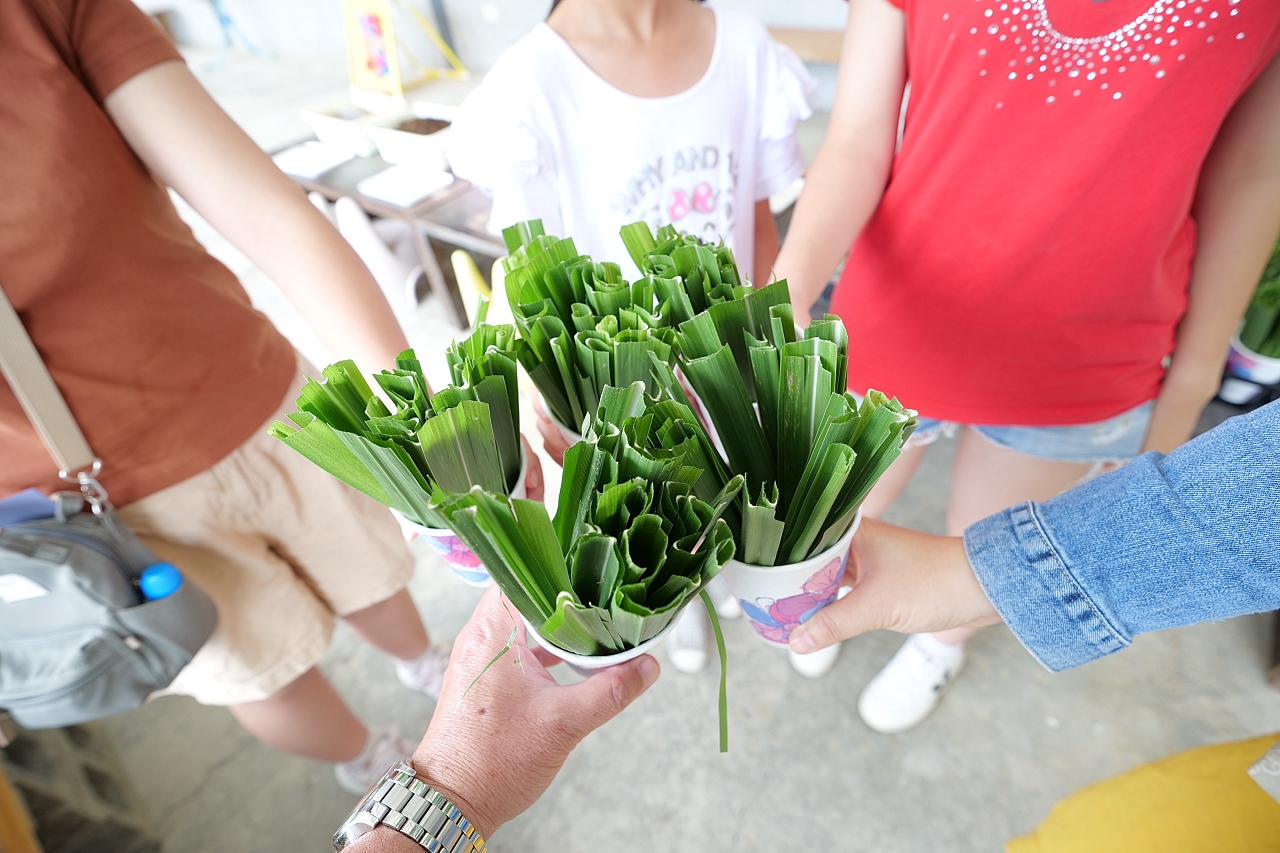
(1029, 260)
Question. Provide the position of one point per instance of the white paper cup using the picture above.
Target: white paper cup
(776, 599)
(585, 664)
(1244, 363)
(456, 555)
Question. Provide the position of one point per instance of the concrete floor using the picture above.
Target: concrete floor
(803, 771)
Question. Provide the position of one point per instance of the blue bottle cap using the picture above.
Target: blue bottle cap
(159, 580)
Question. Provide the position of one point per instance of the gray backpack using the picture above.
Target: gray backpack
(92, 622)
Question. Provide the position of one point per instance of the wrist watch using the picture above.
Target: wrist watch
(408, 805)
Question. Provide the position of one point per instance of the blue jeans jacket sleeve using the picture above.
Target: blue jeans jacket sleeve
(1162, 542)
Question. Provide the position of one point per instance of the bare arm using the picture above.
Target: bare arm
(191, 145)
(1237, 209)
(848, 176)
(766, 245)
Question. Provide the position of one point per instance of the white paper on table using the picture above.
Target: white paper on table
(404, 186)
(310, 159)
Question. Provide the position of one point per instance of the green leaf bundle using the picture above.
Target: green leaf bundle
(809, 451)
(465, 436)
(583, 327)
(1261, 329)
(630, 546)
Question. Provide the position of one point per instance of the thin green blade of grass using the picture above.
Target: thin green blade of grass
(723, 703)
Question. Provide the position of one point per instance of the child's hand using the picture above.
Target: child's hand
(552, 439)
(534, 487)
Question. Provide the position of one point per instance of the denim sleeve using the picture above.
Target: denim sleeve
(1162, 542)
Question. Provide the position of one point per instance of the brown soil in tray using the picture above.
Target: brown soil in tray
(422, 125)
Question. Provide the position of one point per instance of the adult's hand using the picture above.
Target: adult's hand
(496, 749)
(903, 581)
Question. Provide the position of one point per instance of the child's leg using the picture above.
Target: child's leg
(988, 478)
(305, 717)
(393, 625)
(308, 717)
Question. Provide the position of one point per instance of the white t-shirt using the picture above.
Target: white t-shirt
(549, 139)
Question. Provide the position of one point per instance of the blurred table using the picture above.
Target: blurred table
(455, 216)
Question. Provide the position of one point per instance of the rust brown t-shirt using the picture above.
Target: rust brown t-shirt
(162, 359)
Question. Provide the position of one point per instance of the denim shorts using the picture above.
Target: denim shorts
(1116, 439)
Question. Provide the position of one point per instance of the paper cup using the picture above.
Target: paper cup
(777, 599)
(455, 553)
(1244, 363)
(586, 664)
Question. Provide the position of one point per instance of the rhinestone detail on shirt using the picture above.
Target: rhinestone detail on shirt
(1160, 34)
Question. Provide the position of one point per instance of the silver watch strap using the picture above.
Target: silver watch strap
(407, 804)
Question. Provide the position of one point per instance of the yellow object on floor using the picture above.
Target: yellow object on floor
(465, 269)
(16, 833)
(1202, 800)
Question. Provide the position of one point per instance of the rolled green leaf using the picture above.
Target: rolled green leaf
(761, 530)
(625, 553)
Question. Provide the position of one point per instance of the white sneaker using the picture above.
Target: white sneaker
(383, 748)
(910, 685)
(815, 664)
(687, 645)
(425, 673)
(726, 605)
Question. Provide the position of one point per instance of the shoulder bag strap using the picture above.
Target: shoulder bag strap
(39, 396)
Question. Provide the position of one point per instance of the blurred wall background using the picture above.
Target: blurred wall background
(481, 30)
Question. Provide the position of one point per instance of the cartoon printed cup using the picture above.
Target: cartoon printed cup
(777, 599)
(1244, 363)
(456, 555)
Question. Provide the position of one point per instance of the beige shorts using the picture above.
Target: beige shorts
(282, 547)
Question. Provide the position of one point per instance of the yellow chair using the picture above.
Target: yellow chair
(1199, 801)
